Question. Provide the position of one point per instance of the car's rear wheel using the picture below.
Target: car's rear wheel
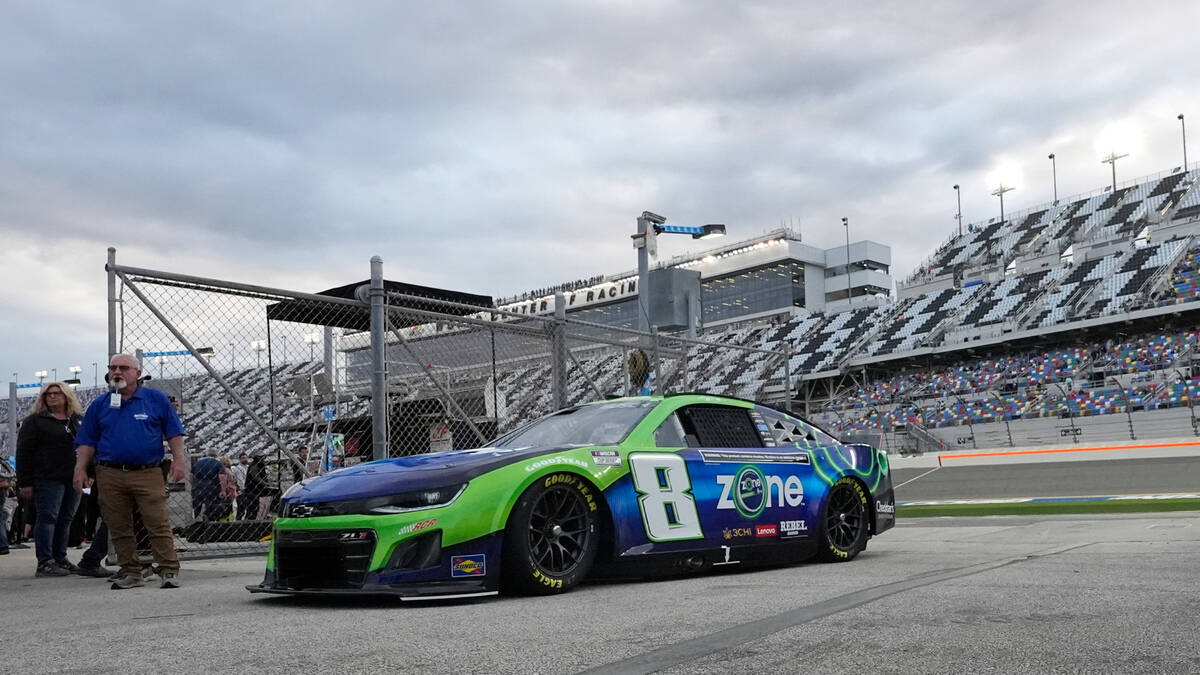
(845, 522)
(552, 535)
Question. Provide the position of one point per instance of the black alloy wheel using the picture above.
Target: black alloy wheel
(552, 535)
(845, 522)
(559, 530)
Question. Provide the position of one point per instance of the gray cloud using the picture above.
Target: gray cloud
(499, 146)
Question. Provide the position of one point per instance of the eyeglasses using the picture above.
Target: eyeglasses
(121, 368)
(54, 393)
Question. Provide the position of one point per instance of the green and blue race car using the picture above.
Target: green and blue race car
(636, 486)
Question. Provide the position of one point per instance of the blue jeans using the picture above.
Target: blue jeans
(3, 522)
(55, 503)
(94, 556)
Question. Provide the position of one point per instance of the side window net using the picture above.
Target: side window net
(720, 426)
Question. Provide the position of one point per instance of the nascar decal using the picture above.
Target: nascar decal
(606, 458)
(751, 457)
(468, 565)
(751, 492)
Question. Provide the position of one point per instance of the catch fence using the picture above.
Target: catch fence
(296, 381)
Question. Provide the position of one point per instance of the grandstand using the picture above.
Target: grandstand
(1083, 308)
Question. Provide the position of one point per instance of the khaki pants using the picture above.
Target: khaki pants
(148, 490)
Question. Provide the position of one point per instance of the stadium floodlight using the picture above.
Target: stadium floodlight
(41, 375)
(645, 240)
(1183, 130)
(1112, 160)
(958, 194)
(1054, 174)
(849, 294)
(258, 346)
(311, 339)
(999, 192)
(75, 371)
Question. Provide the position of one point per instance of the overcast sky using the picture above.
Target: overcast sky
(495, 147)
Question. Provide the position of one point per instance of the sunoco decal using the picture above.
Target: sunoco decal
(468, 565)
(754, 457)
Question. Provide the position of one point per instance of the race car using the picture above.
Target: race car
(637, 486)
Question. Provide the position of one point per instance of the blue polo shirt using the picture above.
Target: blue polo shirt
(133, 433)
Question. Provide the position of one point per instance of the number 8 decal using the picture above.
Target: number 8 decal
(664, 496)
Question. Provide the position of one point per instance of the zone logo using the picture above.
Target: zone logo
(751, 492)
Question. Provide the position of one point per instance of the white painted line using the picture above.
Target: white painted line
(912, 479)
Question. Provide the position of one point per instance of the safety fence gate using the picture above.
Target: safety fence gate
(274, 385)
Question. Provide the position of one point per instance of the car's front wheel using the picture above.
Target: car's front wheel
(845, 522)
(551, 538)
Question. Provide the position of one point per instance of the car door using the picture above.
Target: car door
(728, 483)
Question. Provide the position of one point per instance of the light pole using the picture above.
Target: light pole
(41, 376)
(999, 192)
(15, 378)
(75, 371)
(232, 358)
(258, 346)
(1183, 130)
(1054, 175)
(849, 294)
(649, 226)
(958, 194)
(312, 339)
(55, 371)
(1112, 159)
(95, 374)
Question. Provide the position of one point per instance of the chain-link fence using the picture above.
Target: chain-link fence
(281, 385)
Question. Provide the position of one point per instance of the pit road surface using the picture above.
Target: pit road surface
(1162, 475)
(1110, 593)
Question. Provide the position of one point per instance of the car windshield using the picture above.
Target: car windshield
(595, 424)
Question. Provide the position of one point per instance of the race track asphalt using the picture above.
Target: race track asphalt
(1070, 594)
(1050, 479)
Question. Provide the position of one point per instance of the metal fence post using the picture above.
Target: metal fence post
(379, 406)
(558, 348)
(657, 363)
(12, 421)
(111, 268)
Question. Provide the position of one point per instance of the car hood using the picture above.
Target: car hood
(418, 472)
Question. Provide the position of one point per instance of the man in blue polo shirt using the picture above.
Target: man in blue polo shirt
(125, 431)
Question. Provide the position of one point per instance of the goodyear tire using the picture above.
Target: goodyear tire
(845, 522)
(552, 535)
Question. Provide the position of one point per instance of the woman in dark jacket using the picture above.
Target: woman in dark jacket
(45, 471)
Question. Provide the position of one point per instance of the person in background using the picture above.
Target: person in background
(229, 491)
(207, 474)
(3, 515)
(125, 431)
(45, 463)
(239, 479)
(258, 490)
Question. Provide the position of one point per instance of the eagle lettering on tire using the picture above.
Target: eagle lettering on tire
(551, 538)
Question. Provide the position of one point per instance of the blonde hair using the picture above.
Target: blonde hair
(226, 461)
(72, 403)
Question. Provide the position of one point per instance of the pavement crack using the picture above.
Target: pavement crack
(741, 634)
